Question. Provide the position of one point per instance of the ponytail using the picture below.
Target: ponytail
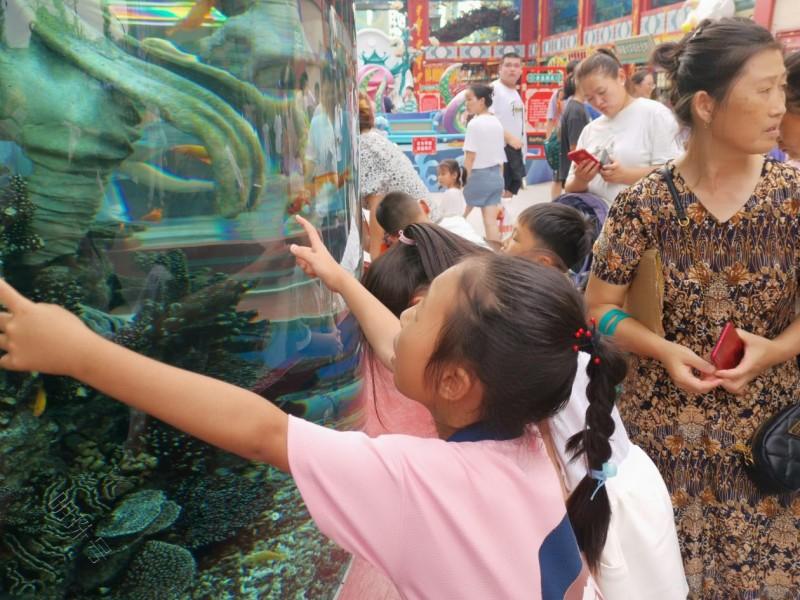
(588, 506)
(453, 166)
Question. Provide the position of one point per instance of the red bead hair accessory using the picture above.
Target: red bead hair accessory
(586, 337)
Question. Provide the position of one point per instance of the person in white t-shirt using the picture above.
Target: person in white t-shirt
(633, 136)
(484, 157)
(508, 106)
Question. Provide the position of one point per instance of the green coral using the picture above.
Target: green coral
(16, 215)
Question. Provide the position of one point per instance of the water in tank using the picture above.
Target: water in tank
(153, 154)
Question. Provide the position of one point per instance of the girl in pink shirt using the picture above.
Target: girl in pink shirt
(478, 516)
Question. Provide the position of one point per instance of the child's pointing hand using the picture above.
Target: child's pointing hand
(316, 261)
(39, 337)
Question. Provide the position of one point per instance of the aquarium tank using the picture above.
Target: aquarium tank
(153, 155)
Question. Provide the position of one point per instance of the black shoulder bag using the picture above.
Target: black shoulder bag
(772, 455)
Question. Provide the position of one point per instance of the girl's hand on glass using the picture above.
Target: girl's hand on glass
(316, 261)
(587, 170)
(683, 367)
(39, 337)
(613, 172)
(759, 355)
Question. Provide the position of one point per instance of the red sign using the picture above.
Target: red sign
(538, 86)
(423, 145)
(428, 101)
(538, 101)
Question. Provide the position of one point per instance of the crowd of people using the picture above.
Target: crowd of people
(560, 448)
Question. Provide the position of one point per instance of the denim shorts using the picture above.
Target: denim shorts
(484, 187)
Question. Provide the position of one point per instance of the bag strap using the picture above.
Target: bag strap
(683, 220)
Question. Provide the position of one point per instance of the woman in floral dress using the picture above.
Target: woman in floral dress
(737, 259)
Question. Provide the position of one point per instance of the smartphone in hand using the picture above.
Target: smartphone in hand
(729, 349)
(581, 155)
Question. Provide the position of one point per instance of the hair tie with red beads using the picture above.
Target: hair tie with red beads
(585, 337)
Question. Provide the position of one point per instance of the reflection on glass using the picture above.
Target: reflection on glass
(606, 10)
(152, 156)
(662, 3)
(563, 16)
(473, 21)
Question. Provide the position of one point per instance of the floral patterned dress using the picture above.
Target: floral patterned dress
(736, 542)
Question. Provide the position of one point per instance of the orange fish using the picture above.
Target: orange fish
(302, 199)
(193, 151)
(195, 18)
(40, 403)
(154, 216)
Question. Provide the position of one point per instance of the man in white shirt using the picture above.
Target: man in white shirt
(509, 108)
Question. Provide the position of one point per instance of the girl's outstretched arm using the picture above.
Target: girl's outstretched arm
(49, 339)
(378, 323)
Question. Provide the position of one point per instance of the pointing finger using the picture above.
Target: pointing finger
(10, 297)
(311, 231)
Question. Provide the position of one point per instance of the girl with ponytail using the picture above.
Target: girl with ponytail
(639, 557)
(476, 514)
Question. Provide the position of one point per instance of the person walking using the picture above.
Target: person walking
(484, 156)
(734, 257)
(508, 107)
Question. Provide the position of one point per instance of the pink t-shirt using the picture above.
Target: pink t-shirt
(444, 520)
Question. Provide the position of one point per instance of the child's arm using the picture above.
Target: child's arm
(378, 323)
(49, 339)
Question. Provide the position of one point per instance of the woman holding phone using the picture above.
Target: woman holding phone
(630, 138)
(735, 257)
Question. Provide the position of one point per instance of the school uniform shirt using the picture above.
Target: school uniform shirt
(644, 133)
(485, 137)
(508, 107)
(444, 520)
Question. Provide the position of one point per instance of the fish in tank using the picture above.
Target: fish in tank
(153, 155)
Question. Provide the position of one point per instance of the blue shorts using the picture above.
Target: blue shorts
(484, 187)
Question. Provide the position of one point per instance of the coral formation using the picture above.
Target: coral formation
(216, 507)
(143, 512)
(160, 571)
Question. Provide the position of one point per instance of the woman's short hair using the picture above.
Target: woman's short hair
(366, 116)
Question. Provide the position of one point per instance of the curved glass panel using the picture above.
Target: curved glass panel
(152, 156)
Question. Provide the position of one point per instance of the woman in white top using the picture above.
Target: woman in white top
(631, 138)
(484, 155)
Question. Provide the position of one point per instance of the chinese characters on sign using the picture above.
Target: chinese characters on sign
(423, 145)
